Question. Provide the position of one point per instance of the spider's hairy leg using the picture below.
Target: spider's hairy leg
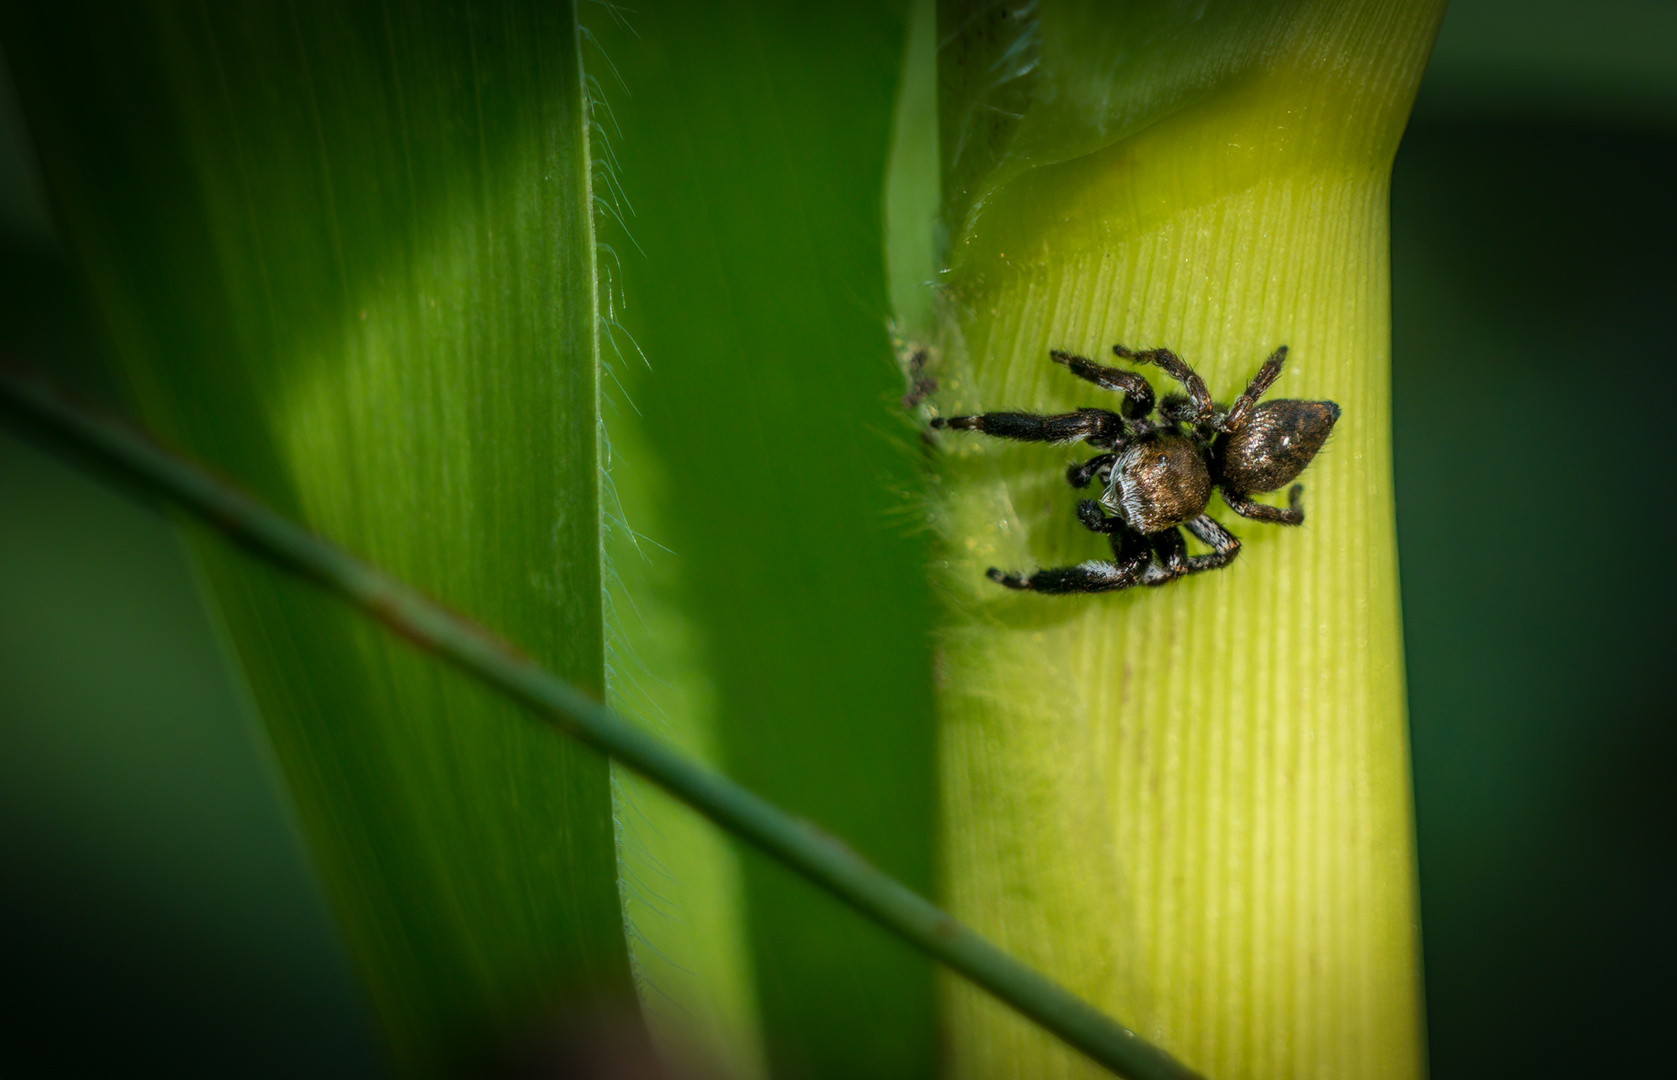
(1090, 577)
(1137, 391)
(1291, 514)
(1177, 407)
(1224, 544)
(1261, 382)
(1130, 551)
(1079, 475)
(1094, 519)
(1098, 426)
(1178, 369)
(1171, 554)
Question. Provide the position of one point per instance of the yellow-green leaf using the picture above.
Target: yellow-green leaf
(1189, 803)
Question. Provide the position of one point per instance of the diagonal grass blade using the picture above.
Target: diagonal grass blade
(31, 405)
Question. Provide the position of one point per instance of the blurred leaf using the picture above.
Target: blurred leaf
(345, 253)
(779, 582)
(1607, 63)
(914, 233)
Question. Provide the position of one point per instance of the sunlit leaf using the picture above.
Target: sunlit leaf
(1190, 803)
(345, 253)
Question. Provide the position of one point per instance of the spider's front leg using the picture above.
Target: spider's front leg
(1255, 389)
(1093, 518)
(1080, 475)
(1177, 408)
(1131, 554)
(1097, 426)
(1178, 369)
(1093, 576)
(1137, 391)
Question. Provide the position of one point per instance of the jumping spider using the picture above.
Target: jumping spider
(1158, 474)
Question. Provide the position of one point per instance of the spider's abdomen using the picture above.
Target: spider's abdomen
(1159, 482)
(1277, 441)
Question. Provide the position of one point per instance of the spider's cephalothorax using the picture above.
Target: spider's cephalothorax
(1157, 474)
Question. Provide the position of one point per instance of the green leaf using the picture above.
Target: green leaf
(345, 253)
(774, 615)
(1206, 784)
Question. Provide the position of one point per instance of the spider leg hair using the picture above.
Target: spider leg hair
(1178, 369)
(1177, 407)
(1291, 514)
(1080, 475)
(1171, 554)
(1097, 426)
(1131, 554)
(1261, 382)
(1094, 576)
(1224, 544)
(1171, 550)
(1137, 391)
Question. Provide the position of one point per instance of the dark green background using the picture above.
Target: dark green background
(157, 914)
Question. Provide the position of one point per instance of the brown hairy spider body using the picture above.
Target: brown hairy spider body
(1158, 482)
(1157, 474)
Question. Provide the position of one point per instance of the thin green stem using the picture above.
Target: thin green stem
(29, 403)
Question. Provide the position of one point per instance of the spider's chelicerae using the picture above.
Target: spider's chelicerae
(1158, 473)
